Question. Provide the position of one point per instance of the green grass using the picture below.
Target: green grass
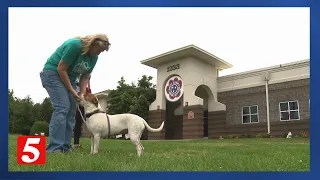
(197, 155)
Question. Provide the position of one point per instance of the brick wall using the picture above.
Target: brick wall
(193, 128)
(293, 90)
(155, 119)
(228, 122)
(218, 127)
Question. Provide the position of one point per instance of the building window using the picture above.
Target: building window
(250, 114)
(289, 110)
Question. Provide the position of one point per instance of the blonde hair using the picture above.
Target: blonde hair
(89, 40)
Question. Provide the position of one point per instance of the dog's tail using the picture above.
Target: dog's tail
(152, 129)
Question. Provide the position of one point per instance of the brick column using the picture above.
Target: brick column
(193, 128)
(216, 124)
(155, 118)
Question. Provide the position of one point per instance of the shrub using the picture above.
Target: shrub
(267, 135)
(258, 136)
(229, 137)
(236, 136)
(243, 136)
(246, 136)
(232, 136)
(249, 136)
(305, 134)
(38, 127)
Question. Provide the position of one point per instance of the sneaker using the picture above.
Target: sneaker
(56, 151)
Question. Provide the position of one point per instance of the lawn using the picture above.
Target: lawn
(252, 154)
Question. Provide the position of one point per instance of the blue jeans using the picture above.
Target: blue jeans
(63, 117)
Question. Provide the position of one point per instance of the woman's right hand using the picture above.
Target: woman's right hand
(75, 94)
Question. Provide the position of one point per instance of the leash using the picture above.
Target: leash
(81, 115)
(98, 111)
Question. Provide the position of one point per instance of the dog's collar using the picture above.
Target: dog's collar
(94, 112)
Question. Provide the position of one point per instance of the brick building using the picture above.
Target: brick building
(210, 105)
(205, 105)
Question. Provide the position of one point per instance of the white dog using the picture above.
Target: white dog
(100, 124)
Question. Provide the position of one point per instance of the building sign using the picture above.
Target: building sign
(190, 115)
(174, 88)
(173, 67)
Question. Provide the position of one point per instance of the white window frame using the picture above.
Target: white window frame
(298, 110)
(250, 114)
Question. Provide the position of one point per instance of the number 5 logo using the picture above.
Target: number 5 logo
(31, 150)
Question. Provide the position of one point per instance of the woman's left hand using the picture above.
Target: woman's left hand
(80, 95)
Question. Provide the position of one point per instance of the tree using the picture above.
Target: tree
(145, 95)
(23, 113)
(46, 110)
(40, 127)
(11, 110)
(145, 83)
(127, 98)
(147, 88)
(140, 107)
(37, 112)
(120, 99)
(132, 98)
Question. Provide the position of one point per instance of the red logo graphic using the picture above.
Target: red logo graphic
(31, 150)
(190, 115)
(174, 89)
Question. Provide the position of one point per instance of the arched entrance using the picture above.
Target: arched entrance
(173, 89)
(195, 66)
(174, 120)
(204, 93)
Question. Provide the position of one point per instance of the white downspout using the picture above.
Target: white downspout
(266, 79)
(267, 103)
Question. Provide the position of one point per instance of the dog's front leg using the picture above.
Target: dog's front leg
(96, 141)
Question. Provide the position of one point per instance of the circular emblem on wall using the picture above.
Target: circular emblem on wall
(174, 88)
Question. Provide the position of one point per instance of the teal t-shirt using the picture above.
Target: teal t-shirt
(70, 52)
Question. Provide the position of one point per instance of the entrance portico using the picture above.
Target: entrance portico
(186, 92)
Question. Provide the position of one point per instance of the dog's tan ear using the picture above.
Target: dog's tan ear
(95, 101)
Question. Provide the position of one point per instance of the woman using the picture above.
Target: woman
(79, 120)
(75, 58)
